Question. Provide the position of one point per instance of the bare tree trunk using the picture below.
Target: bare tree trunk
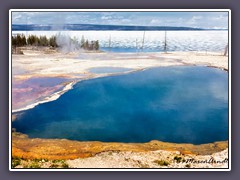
(165, 42)
(136, 46)
(143, 40)
(226, 50)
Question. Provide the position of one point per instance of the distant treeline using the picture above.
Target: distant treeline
(98, 27)
(33, 40)
(92, 45)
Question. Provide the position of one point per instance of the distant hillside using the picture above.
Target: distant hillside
(88, 27)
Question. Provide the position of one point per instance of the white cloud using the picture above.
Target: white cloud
(220, 17)
(106, 17)
(126, 20)
(196, 18)
(17, 17)
(155, 21)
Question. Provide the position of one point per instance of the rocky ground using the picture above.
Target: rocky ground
(128, 159)
(152, 159)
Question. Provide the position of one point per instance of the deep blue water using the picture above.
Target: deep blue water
(174, 104)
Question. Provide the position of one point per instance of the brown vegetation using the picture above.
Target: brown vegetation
(27, 148)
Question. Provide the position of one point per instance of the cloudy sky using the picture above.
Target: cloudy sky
(217, 20)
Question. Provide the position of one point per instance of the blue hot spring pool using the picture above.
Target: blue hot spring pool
(181, 104)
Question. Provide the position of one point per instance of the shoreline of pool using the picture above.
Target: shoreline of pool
(54, 96)
(77, 154)
(76, 65)
(91, 148)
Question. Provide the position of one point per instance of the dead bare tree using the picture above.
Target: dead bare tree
(226, 50)
(165, 43)
(109, 43)
(143, 40)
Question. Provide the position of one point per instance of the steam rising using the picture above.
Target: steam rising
(66, 43)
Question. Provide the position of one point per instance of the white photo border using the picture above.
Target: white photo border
(122, 10)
